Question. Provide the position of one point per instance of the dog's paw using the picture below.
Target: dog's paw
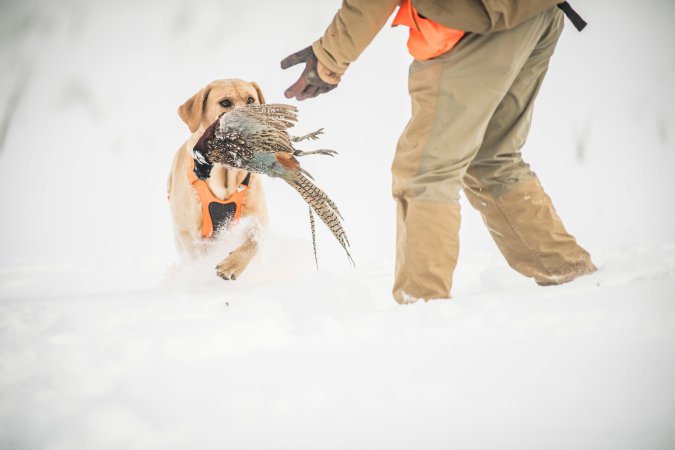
(236, 262)
(228, 269)
(231, 267)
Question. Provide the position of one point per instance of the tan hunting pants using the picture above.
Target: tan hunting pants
(471, 113)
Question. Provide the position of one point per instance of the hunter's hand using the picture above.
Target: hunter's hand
(311, 82)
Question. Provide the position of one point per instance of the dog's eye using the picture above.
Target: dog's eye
(250, 100)
(227, 103)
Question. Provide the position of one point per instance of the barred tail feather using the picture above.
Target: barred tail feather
(322, 205)
(313, 228)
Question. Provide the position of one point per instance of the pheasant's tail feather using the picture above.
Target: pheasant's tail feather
(322, 205)
(313, 227)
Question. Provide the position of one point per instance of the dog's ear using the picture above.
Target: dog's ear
(191, 111)
(261, 97)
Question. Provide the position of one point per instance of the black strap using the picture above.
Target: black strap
(247, 179)
(571, 14)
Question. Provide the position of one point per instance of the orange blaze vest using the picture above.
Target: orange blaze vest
(427, 39)
(217, 213)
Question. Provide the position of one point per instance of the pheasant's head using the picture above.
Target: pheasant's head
(202, 165)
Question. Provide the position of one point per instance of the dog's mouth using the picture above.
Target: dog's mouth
(202, 166)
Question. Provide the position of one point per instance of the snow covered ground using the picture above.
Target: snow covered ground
(107, 342)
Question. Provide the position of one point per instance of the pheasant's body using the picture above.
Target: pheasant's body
(255, 139)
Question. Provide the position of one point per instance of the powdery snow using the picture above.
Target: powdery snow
(107, 342)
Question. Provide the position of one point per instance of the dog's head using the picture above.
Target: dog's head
(202, 109)
(217, 97)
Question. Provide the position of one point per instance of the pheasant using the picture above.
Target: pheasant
(255, 138)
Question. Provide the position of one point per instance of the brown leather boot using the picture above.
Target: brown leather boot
(529, 232)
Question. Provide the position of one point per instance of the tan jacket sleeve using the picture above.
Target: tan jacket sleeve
(354, 26)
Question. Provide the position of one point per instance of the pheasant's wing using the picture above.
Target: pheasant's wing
(261, 127)
(224, 142)
(278, 115)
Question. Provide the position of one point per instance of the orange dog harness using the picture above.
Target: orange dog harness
(427, 39)
(217, 213)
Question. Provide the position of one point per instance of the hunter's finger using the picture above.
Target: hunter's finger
(296, 58)
(309, 92)
(296, 88)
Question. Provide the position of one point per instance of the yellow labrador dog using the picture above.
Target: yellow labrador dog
(200, 208)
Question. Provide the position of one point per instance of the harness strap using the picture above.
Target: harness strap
(247, 179)
(574, 17)
(217, 213)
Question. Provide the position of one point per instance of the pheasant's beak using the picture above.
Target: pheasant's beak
(202, 166)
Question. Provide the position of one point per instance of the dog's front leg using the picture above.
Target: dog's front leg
(236, 262)
(254, 216)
